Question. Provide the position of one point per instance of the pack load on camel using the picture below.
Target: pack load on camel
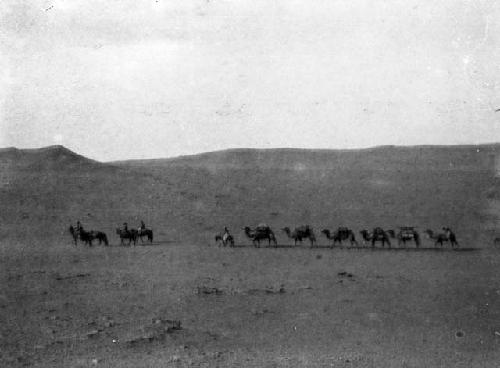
(262, 227)
(408, 233)
(261, 232)
(300, 233)
(338, 236)
(377, 235)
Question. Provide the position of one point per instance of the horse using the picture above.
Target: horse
(145, 232)
(88, 236)
(131, 235)
(101, 236)
(74, 234)
(225, 239)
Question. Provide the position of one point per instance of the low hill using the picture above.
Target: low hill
(39, 159)
(189, 198)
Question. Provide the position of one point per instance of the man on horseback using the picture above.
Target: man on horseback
(226, 234)
(125, 227)
(142, 227)
(78, 226)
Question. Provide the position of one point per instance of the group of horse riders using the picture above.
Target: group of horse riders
(78, 232)
(142, 227)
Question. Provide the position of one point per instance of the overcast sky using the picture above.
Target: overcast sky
(140, 79)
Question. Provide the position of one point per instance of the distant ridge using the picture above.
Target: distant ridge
(53, 148)
(305, 151)
(471, 157)
(50, 157)
(424, 157)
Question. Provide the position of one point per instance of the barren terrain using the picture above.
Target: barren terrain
(67, 306)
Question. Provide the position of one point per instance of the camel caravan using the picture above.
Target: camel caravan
(263, 233)
(406, 234)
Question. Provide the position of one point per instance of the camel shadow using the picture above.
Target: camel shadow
(263, 246)
(145, 244)
(362, 248)
(420, 249)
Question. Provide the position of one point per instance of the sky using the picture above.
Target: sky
(143, 79)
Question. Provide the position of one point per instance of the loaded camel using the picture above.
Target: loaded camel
(440, 238)
(378, 234)
(300, 233)
(342, 233)
(408, 233)
(261, 232)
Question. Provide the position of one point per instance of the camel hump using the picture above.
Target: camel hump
(262, 227)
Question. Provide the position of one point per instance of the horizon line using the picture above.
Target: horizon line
(236, 149)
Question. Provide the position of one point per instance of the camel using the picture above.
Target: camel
(440, 238)
(378, 234)
(342, 233)
(408, 233)
(261, 232)
(300, 233)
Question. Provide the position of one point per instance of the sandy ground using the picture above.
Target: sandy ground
(63, 306)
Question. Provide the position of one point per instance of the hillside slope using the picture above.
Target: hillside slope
(187, 199)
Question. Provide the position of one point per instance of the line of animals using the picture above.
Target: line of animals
(406, 234)
(263, 232)
(87, 237)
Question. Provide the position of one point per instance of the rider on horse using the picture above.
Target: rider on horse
(142, 227)
(225, 235)
(447, 231)
(125, 227)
